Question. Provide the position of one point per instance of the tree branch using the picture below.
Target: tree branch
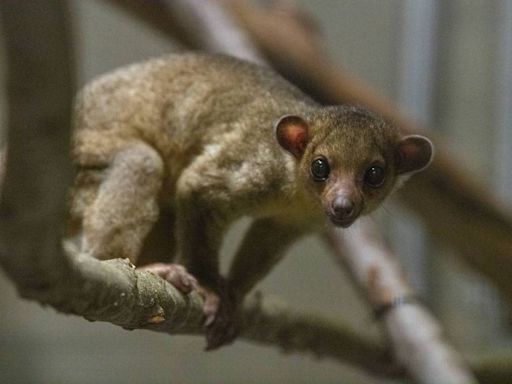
(114, 291)
(415, 335)
(40, 87)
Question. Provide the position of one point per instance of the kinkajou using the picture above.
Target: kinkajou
(211, 139)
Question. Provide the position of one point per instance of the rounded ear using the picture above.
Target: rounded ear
(292, 134)
(414, 153)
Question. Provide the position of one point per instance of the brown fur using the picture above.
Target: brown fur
(193, 135)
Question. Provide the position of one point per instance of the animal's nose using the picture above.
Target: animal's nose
(343, 207)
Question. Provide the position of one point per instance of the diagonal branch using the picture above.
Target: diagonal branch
(415, 335)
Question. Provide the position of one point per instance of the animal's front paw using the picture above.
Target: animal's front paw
(221, 317)
(175, 274)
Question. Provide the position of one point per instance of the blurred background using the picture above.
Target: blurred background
(447, 63)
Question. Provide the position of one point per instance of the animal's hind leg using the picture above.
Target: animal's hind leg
(125, 206)
(159, 248)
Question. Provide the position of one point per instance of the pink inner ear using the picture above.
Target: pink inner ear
(298, 138)
(415, 153)
(292, 134)
(410, 151)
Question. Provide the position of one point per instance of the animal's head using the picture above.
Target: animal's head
(350, 159)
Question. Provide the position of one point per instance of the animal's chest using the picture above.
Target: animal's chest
(293, 211)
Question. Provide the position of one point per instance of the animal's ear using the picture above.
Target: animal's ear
(292, 134)
(414, 153)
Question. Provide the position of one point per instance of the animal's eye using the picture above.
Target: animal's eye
(374, 176)
(320, 169)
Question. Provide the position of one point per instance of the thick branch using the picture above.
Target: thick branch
(40, 87)
(116, 292)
